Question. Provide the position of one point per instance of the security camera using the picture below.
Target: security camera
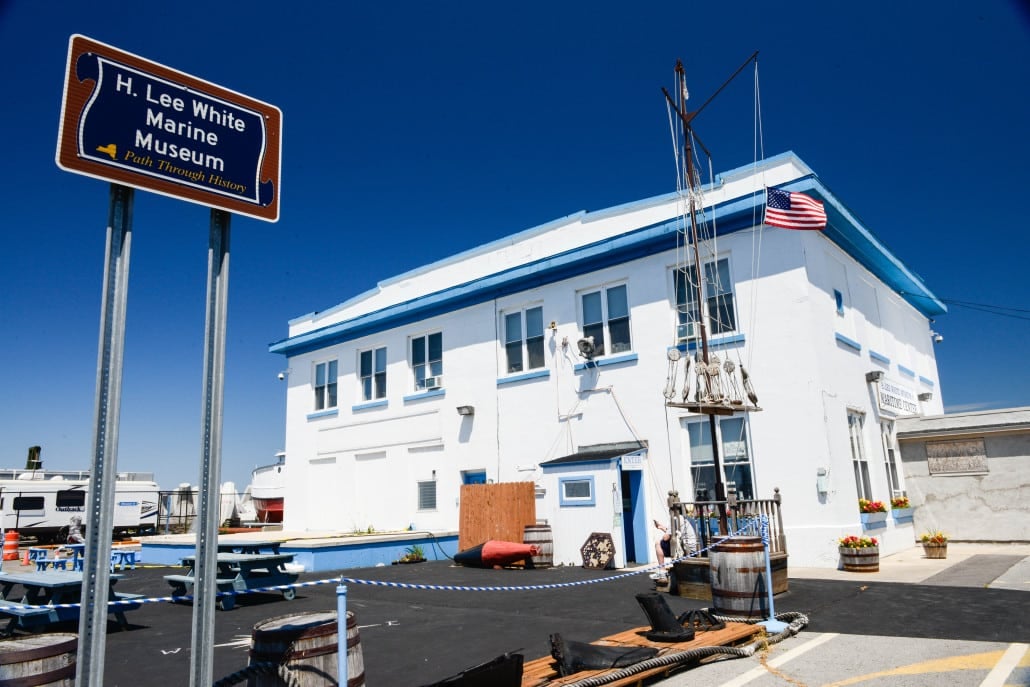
(937, 338)
(282, 376)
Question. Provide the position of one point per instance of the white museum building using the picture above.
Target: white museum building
(471, 370)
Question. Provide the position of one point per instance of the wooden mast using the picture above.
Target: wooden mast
(711, 410)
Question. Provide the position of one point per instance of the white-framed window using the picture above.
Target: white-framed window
(524, 339)
(890, 458)
(716, 294)
(576, 491)
(735, 457)
(427, 495)
(427, 361)
(325, 385)
(372, 373)
(606, 319)
(856, 428)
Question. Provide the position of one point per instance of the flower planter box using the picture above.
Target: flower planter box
(936, 550)
(902, 514)
(873, 520)
(865, 559)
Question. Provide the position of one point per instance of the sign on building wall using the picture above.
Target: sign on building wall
(956, 457)
(896, 398)
(135, 122)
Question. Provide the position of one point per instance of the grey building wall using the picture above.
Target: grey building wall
(953, 486)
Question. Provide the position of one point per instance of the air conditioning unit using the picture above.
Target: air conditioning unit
(688, 331)
(433, 382)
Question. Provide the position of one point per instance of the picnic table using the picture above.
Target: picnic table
(240, 572)
(36, 606)
(248, 545)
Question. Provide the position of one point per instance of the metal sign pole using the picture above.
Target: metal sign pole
(205, 591)
(96, 572)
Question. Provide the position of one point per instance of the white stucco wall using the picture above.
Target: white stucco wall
(355, 469)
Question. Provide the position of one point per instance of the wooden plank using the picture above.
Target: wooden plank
(542, 672)
(495, 511)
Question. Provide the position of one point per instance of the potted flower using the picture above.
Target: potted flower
(901, 509)
(859, 553)
(874, 513)
(935, 544)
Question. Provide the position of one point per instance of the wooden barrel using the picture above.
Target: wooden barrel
(45, 659)
(865, 559)
(540, 537)
(306, 644)
(738, 578)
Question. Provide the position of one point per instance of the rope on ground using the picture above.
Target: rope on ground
(797, 622)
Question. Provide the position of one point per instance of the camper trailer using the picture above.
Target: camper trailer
(41, 503)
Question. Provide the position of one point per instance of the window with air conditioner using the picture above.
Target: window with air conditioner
(427, 361)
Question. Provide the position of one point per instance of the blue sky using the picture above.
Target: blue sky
(413, 131)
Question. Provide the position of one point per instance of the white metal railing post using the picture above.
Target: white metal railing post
(342, 640)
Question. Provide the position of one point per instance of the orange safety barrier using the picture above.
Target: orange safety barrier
(11, 542)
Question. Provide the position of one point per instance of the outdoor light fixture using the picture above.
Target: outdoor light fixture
(874, 376)
(466, 410)
(926, 396)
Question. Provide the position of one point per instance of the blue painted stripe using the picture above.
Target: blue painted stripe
(603, 362)
(847, 342)
(333, 412)
(538, 374)
(714, 342)
(907, 372)
(370, 404)
(734, 215)
(424, 395)
(878, 357)
(924, 380)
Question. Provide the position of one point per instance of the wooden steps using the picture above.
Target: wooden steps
(542, 672)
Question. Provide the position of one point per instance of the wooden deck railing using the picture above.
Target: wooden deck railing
(743, 517)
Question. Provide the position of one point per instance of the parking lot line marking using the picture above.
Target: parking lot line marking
(756, 673)
(1005, 665)
(947, 664)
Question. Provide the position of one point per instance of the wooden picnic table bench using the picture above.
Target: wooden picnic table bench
(49, 597)
(239, 572)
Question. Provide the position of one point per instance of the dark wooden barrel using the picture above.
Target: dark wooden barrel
(738, 578)
(865, 559)
(45, 659)
(307, 645)
(540, 537)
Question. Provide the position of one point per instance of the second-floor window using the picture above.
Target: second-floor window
(717, 294)
(372, 373)
(427, 361)
(606, 319)
(524, 339)
(325, 385)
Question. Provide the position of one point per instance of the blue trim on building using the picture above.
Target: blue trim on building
(332, 412)
(924, 380)
(366, 406)
(537, 374)
(851, 343)
(844, 229)
(422, 395)
(714, 342)
(879, 357)
(907, 372)
(604, 362)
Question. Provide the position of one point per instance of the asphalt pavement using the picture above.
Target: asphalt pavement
(958, 621)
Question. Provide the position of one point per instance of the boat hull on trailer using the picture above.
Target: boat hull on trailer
(267, 485)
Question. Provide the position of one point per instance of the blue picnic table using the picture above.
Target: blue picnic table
(239, 572)
(38, 603)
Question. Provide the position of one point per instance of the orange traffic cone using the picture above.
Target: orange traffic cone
(25, 559)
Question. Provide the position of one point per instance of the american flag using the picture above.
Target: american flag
(791, 210)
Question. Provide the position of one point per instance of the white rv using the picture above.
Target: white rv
(42, 503)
